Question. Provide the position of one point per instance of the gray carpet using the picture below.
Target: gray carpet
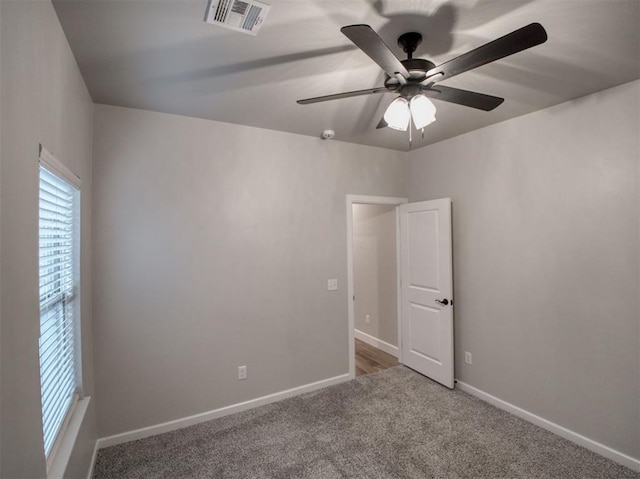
(392, 424)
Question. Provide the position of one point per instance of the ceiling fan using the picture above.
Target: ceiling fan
(415, 79)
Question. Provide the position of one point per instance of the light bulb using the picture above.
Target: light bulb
(423, 111)
(397, 114)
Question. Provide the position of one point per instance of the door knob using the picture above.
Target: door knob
(444, 302)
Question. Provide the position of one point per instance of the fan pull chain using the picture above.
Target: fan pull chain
(410, 131)
(423, 132)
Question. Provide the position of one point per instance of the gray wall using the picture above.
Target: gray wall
(213, 246)
(375, 275)
(545, 220)
(44, 99)
(1, 95)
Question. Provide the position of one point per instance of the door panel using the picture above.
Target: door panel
(427, 326)
(423, 249)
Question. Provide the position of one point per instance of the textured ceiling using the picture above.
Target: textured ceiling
(159, 55)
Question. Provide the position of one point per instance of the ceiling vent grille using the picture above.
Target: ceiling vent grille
(241, 15)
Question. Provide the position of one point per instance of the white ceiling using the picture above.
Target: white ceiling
(159, 55)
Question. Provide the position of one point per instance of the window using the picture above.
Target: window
(59, 343)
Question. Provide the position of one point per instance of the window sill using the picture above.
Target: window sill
(68, 440)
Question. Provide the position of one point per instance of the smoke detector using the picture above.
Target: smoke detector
(328, 134)
(240, 15)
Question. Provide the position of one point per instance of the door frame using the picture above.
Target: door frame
(369, 200)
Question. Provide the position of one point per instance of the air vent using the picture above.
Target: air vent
(240, 15)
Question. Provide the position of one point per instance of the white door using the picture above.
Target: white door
(427, 289)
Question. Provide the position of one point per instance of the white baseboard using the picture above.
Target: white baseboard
(572, 436)
(377, 343)
(216, 413)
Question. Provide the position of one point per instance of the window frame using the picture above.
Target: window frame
(55, 167)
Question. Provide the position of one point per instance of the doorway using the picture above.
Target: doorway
(373, 283)
(423, 285)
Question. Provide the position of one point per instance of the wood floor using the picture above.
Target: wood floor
(370, 359)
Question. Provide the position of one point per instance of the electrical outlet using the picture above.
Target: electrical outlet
(468, 358)
(332, 284)
(367, 318)
(242, 372)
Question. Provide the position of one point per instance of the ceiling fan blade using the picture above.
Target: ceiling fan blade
(514, 42)
(463, 97)
(382, 123)
(367, 40)
(347, 94)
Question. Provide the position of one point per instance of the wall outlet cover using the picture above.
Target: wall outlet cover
(467, 357)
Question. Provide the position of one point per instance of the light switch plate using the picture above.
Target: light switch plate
(332, 285)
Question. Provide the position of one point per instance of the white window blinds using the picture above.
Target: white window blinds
(59, 338)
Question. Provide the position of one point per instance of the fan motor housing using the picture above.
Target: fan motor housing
(417, 67)
(410, 90)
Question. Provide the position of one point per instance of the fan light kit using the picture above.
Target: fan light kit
(416, 80)
(400, 113)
